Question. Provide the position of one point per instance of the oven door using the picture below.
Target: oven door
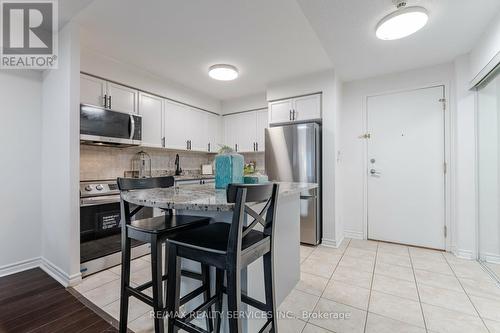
(100, 125)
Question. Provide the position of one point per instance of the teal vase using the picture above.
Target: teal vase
(228, 169)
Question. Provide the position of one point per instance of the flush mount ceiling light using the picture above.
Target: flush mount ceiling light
(402, 23)
(223, 72)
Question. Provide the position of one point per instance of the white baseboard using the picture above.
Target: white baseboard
(463, 254)
(59, 275)
(354, 234)
(20, 266)
(490, 258)
(331, 242)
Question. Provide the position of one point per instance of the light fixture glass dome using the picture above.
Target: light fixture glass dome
(403, 22)
(223, 72)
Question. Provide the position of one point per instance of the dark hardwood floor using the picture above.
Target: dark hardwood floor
(31, 301)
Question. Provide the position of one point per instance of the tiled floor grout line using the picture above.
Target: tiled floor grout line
(371, 288)
(329, 279)
(467, 294)
(418, 292)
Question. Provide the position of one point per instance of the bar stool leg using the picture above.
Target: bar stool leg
(234, 298)
(156, 270)
(125, 281)
(219, 286)
(269, 290)
(205, 273)
(173, 287)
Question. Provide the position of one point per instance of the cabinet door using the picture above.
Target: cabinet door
(246, 130)
(280, 111)
(123, 99)
(230, 123)
(175, 125)
(196, 128)
(307, 107)
(262, 124)
(151, 110)
(214, 131)
(92, 90)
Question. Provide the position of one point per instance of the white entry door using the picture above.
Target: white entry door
(406, 171)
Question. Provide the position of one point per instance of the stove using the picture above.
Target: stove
(100, 229)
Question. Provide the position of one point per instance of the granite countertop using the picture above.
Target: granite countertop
(194, 177)
(198, 197)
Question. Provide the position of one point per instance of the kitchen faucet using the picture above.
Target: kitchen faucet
(178, 169)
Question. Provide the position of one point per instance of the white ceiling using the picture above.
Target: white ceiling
(266, 40)
(274, 40)
(346, 29)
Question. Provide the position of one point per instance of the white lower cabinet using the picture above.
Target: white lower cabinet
(244, 131)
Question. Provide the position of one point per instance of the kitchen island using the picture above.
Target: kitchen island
(206, 200)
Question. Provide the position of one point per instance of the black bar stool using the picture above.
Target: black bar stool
(155, 232)
(229, 247)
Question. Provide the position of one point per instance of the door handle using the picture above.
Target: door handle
(374, 172)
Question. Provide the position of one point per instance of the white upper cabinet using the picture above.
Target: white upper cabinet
(262, 124)
(244, 131)
(175, 125)
(307, 108)
(98, 92)
(295, 109)
(151, 110)
(121, 98)
(280, 111)
(92, 90)
(214, 130)
(197, 129)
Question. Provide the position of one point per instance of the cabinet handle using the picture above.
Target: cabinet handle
(256, 146)
(209, 146)
(105, 102)
(236, 147)
(294, 116)
(290, 115)
(109, 102)
(163, 142)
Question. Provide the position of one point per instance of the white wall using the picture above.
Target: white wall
(60, 162)
(246, 103)
(485, 49)
(100, 65)
(20, 95)
(352, 125)
(327, 83)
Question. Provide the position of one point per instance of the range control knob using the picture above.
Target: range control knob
(99, 187)
(88, 188)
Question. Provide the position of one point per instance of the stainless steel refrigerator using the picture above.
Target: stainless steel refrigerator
(293, 154)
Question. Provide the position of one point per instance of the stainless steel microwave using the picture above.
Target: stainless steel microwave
(101, 126)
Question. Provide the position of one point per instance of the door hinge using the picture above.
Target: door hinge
(445, 167)
(445, 231)
(365, 136)
(443, 100)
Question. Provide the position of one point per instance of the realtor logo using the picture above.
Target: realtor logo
(28, 34)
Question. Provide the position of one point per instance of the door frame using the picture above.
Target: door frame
(448, 157)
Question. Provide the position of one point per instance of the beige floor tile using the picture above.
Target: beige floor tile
(141, 276)
(495, 268)
(448, 321)
(357, 263)
(311, 284)
(487, 308)
(396, 287)
(394, 249)
(291, 325)
(136, 309)
(347, 294)
(436, 266)
(135, 265)
(298, 302)
(329, 250)
(481, 288)
(313, 329)
(95, 281)
(393, 259)
(437, 280)
(380, 324)
(105, 294)
(398, 272)
(397, 308)
(449, 299)
(326, 257)
(367, 245)
(353, 276)
(144, 324)
(470, 270)
(340, 317)
(416, 252)
(493, 326)
(360, 253)
(305, 251)
(317, 267)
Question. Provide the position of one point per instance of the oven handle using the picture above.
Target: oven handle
(87, 202)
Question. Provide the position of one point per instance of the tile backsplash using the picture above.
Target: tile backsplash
(98, 163)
